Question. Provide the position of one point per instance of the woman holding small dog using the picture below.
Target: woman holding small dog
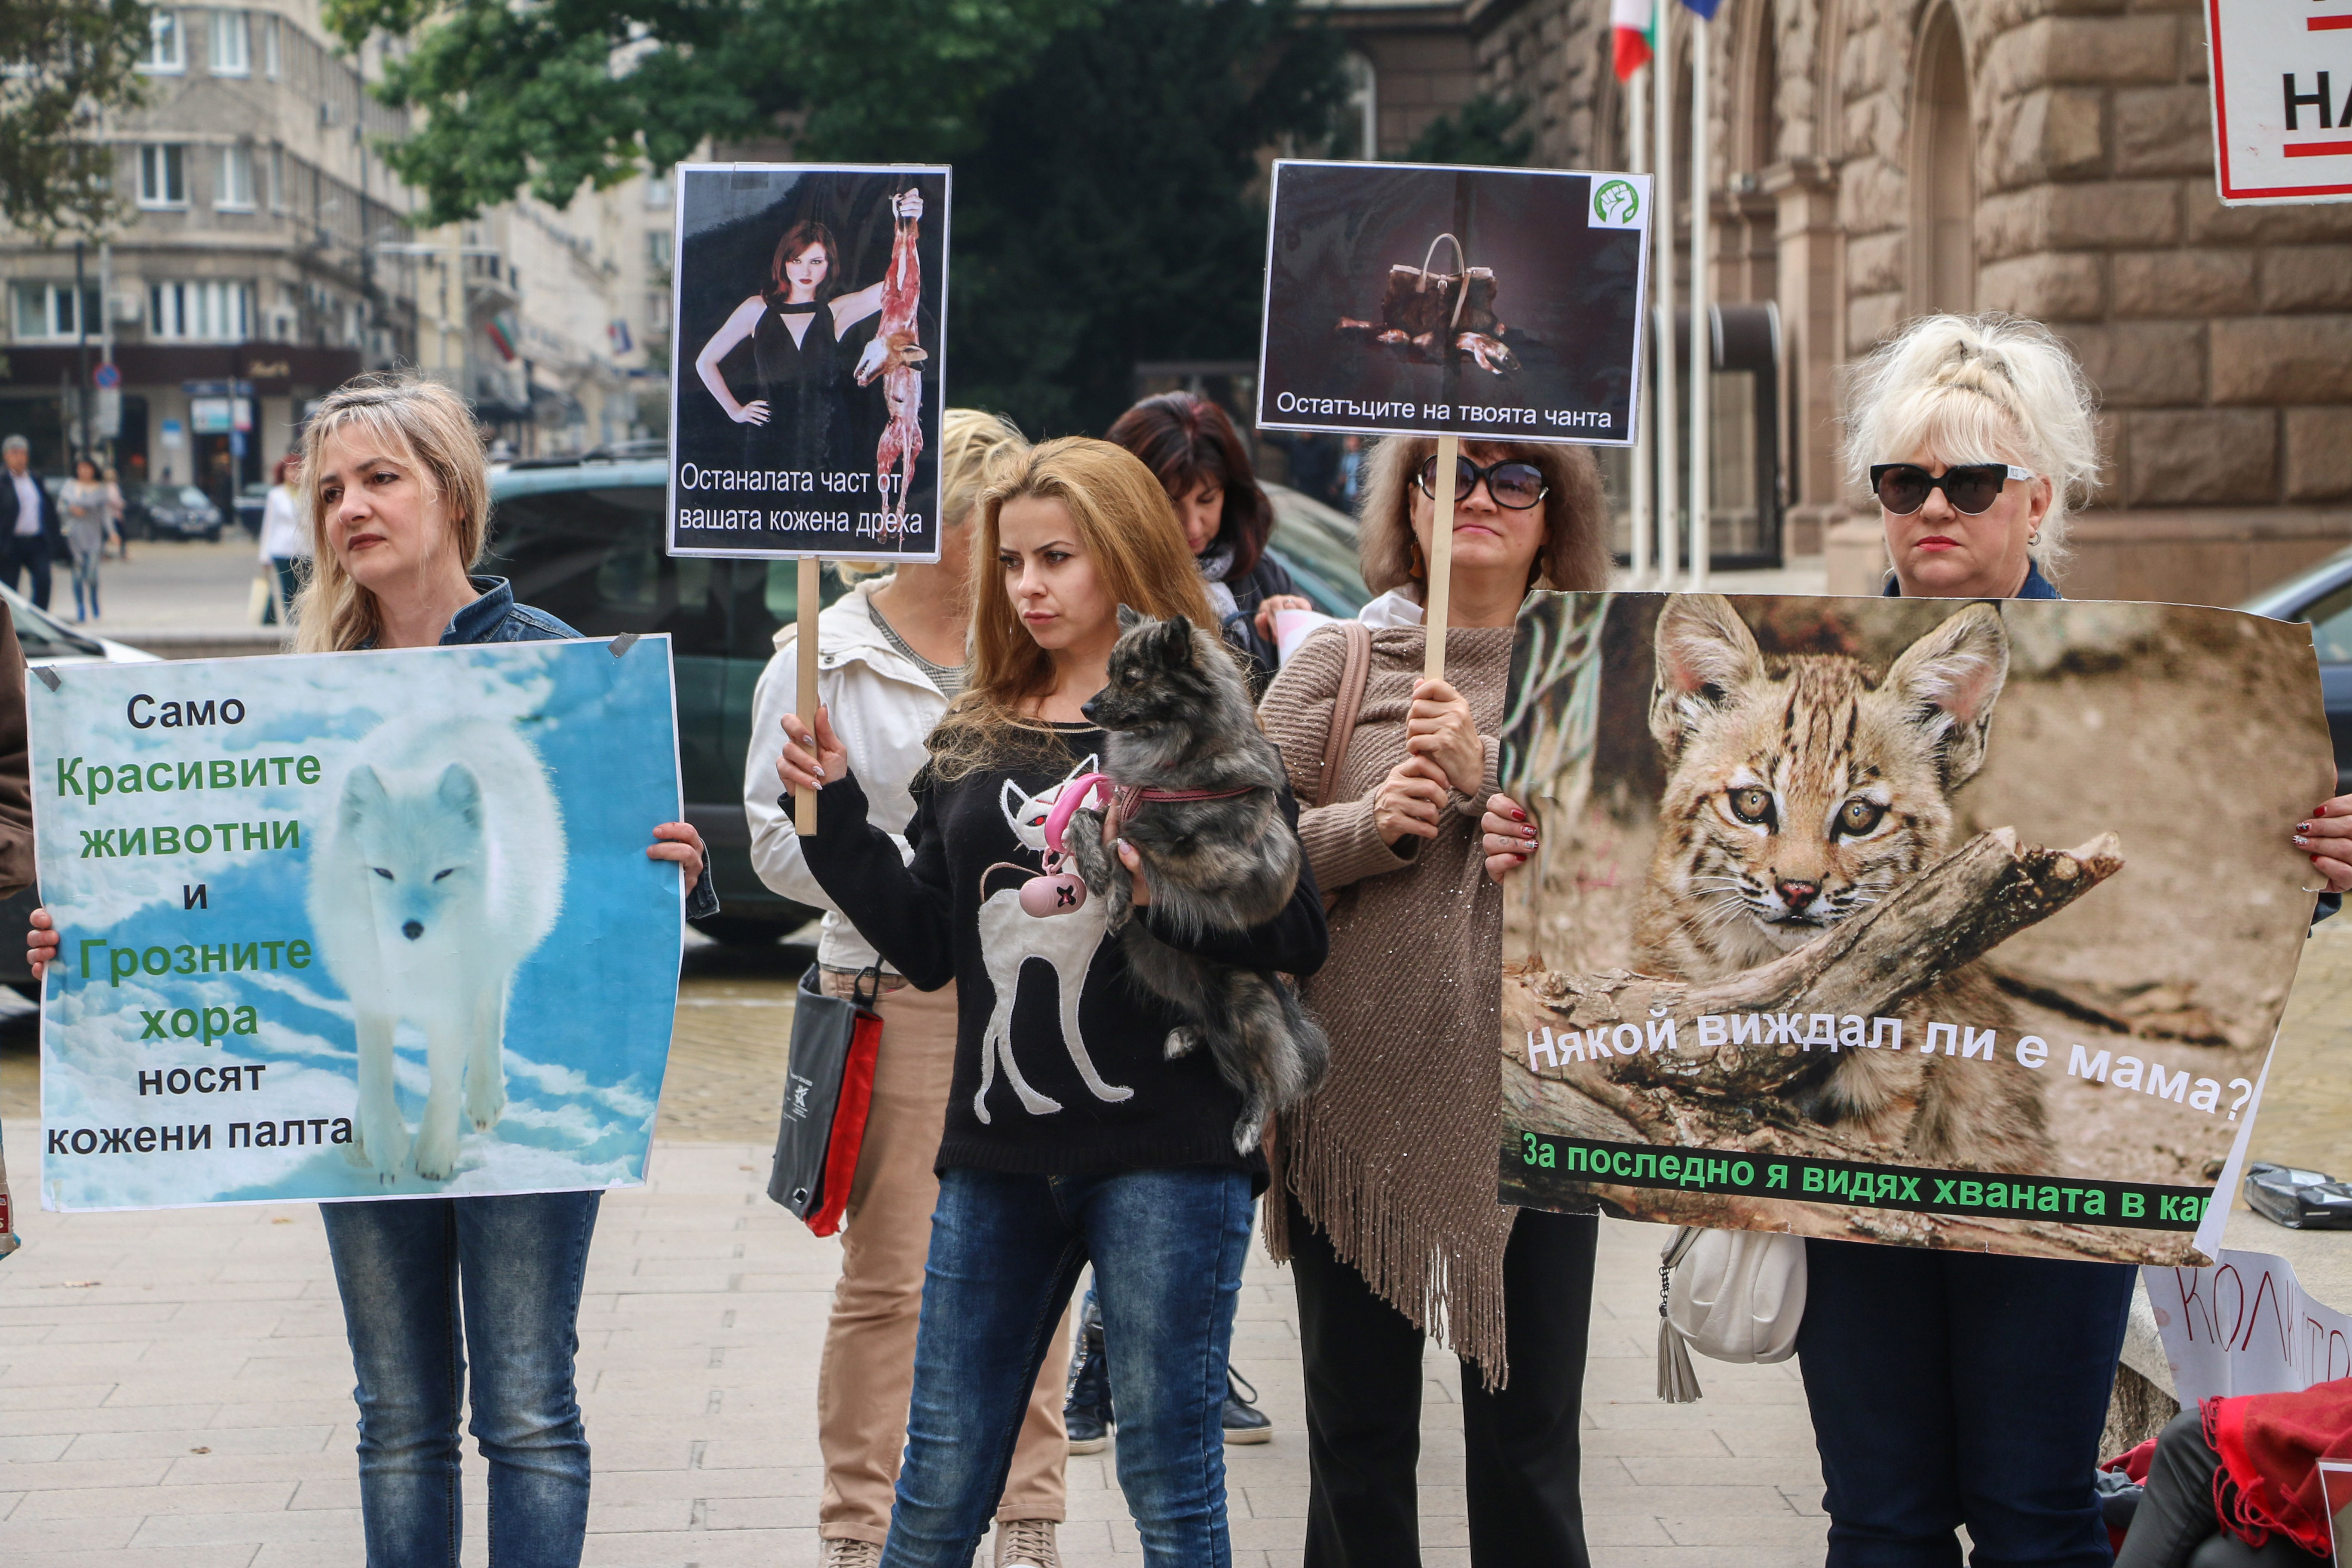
(398, 496)
(1387, 1208)
(1073, 1134)
(890, 657)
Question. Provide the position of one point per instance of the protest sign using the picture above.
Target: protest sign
(8, 1230)
(1900, 920)
(1428, 299)
(809, 304)
(2245, 1325)
(1417, 301)
(355, 925)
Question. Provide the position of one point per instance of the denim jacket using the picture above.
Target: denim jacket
(496, 617)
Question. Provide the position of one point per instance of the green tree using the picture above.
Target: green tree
(68, 62)
(1108, 200)
(1480, 131)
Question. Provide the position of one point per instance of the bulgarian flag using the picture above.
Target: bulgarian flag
(502, 334)
(1632, 22)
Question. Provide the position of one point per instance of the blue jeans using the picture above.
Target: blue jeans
(423, 1281)
(1959, 1387)
(1006, 1250)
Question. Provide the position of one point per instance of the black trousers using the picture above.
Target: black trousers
(28, 553)
(1521, 1448)
(2175, 1526)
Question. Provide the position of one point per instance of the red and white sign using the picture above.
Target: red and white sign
(2282, 99)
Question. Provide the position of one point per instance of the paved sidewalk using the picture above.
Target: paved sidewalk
(173, 1392)
(174, 1387)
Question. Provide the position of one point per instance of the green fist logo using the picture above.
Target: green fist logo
(1615, 204)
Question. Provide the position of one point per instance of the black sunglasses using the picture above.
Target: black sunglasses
(1970, 487)
(1515, 485)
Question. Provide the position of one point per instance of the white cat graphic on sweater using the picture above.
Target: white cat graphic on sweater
(1008, 935)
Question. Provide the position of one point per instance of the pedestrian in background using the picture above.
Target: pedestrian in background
(29, 524)
(285, 541)
(890, 657)
(1384, 1190)
(88, 505)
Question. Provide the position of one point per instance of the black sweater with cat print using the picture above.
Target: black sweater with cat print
(1042, 1087)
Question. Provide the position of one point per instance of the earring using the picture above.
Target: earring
(1415, 567)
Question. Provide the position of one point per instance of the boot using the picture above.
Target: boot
(1244, 1421)
(1087, 1413)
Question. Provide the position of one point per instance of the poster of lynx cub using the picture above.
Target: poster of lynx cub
(1919, 921)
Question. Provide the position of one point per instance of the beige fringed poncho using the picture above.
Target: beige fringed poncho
(1395, 1156)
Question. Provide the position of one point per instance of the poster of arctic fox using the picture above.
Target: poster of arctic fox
(355, 925)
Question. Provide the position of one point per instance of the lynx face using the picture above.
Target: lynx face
(1805, 788)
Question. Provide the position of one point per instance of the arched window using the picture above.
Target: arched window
(1763, 138)
(1943, 171)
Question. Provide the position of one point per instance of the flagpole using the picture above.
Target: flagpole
(1637, 114)
(1662, 213)
(1702, 342)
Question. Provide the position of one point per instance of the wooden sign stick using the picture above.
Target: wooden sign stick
(804, 662)
(1441, 560)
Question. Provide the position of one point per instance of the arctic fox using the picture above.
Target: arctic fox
(441, 870)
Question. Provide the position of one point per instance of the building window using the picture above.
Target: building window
(657, 189)
(46, 311)
(272, 62)
(212, 312)
(231, 53)
(657, 250)
(162, 175)
(276, 166)
(163, 53)
(1943, 173)
(235, 191)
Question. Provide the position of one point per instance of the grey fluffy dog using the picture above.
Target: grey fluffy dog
(1178, 717)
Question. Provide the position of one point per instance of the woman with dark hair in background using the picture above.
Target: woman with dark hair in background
(795, 329)
(1193, 450)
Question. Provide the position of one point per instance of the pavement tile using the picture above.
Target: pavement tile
(316, 1530)
(176, 1442)
(32, 1476)
(151, 1501)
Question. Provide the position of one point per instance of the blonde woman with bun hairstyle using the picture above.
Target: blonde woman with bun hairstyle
(1977, 435)
(1965, 1388)
(1072, 1135)
(455, 1306)
(890, 657)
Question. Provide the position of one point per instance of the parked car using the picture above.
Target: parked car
(2323, 597)
(169, 512)
(584, 540)
(47, 641)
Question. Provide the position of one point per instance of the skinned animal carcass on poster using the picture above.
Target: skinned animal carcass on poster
(1846, 918)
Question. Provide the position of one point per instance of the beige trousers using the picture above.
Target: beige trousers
(868, 1371)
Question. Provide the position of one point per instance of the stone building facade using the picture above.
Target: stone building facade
(1876, 159)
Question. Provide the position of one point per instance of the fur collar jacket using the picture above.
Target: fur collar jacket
(1061, 1064)
(882, 706)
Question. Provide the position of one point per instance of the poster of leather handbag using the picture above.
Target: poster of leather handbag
(808, 308)
(1425, 299)
(1905, 921)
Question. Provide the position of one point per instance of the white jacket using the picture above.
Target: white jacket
(882, 707)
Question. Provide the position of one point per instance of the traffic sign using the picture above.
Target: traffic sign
(108, 377)
(2282, 73)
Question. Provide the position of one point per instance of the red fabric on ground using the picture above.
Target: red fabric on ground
(2271, 1445)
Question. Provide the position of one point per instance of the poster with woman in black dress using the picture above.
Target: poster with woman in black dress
(809, 304)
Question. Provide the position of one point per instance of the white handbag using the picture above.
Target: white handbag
(1730, 1295)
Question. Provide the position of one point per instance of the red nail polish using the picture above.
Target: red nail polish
(1518, 815)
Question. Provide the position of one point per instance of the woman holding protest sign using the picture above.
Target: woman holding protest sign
(398, 497)
(1387, 1206)
(1191, 448)
(890, 657)
(1096, 1145)
(1984, 1407)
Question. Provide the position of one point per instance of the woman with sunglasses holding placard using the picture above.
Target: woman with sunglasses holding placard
(1385, 1178)
(1952, 1388)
